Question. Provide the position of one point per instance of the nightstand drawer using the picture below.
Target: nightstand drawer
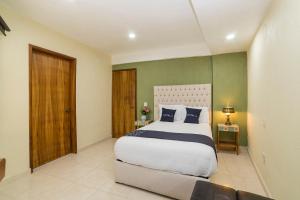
(232, 128)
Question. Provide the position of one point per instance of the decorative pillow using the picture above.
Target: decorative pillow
(178, 114)
(204, 116)
(167, 115)
(192, 115)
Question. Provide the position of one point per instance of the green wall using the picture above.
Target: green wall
(230, 88)
(227, 73)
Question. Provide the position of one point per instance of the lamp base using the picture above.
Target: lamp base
(228, 122)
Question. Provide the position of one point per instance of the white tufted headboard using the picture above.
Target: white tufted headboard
(188, 95)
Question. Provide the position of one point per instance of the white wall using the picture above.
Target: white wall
(274, 100)
(93, 88)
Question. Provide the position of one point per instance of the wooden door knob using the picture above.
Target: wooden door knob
(67, 110)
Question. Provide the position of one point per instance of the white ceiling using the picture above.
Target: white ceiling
(164, 28)
(218, 18)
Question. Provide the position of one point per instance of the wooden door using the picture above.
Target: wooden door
(52, 106)
(123, 102)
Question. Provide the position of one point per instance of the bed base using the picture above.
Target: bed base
(169, 184)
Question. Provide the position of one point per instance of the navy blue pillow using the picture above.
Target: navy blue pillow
(167, 115)
(192, 115)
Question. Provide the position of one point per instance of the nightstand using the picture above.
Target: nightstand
(139, 124)
(229, 144)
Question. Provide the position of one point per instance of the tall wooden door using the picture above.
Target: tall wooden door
(123, 102)
(52, 106)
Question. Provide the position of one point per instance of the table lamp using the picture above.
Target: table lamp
(228, 110)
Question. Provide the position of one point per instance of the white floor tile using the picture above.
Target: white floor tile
(89, 175)
(5, 197)
(72, 192)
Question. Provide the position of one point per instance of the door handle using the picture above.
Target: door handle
(67, 110)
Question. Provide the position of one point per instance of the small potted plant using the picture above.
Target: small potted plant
(145, 112)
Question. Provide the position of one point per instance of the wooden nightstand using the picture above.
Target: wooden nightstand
(139, 124)
(228, 144)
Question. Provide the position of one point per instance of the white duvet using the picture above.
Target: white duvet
(169, 155)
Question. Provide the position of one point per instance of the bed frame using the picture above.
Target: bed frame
(169, 184)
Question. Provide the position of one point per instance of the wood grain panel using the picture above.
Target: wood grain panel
(52, 106)
(2, 168)
(123, 102)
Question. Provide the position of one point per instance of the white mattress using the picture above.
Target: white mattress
(169, 155)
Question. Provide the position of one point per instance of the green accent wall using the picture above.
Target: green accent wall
(227, 73)
(230, 88)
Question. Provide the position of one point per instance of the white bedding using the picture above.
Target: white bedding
(175, 156)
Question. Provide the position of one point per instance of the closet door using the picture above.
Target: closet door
(123, 102)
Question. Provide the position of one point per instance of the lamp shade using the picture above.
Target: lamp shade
(228, 110)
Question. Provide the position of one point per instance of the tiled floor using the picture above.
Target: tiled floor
(89, 176)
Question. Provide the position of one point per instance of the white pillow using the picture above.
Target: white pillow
(204, 115)
(178, 114)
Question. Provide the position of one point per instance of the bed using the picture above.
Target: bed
(169, 167)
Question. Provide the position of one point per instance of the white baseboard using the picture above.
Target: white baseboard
(261, 179)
